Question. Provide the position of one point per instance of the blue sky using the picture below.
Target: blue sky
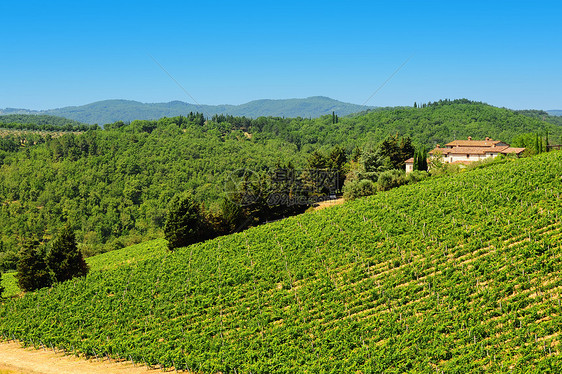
(505, 53)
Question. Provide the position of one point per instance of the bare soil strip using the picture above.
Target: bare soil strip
(328, 203)
(14, 359)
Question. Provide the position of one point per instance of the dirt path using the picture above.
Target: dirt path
(328, 203)
(17, 360)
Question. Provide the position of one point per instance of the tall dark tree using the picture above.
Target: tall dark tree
(337, 161)
(397, 149)
(232, 216)
(64, 258)
(326, 173)
(537, 144)
(356, 154)
(33, 272)
(420, 159)
(317, 161)
(1, 287)
(184, 223)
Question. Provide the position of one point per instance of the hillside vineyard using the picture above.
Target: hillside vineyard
(453, 274)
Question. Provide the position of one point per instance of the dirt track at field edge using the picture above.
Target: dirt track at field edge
(14, 359)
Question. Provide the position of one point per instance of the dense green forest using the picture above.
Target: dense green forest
(454, 274)
(113, 186)
(116, 183)
(543, 116)
(41, 122)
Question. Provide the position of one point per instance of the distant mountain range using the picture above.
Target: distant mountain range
(557, 112)
(109, 111)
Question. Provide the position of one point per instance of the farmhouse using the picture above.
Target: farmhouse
(467, 151)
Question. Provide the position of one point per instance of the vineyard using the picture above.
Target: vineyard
(450, 275)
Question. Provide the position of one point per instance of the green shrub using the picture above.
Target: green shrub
(390, 179)
(416, 176)
(359, 188)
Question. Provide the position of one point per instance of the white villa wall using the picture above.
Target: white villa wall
(467, 157)
(409, 167)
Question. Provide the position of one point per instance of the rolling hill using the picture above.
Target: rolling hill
(453, 274)
(109, 111)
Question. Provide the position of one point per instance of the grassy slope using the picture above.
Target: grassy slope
(454, 274)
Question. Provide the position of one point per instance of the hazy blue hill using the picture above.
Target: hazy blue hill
(554, 112)
(310, 107)
(109, 111)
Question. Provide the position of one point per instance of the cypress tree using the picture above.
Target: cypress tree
(64, 258)
(537, 144)
(33, 272)
(420, 159)
(423, 160)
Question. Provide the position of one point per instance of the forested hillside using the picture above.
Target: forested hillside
(434, 123)
(439, 122)
(552, 116)
(40, 122)
(454, 274)
(114, 185)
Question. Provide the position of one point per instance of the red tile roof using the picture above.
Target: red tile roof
(514, 150)
(475, 143)
(469, 150)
